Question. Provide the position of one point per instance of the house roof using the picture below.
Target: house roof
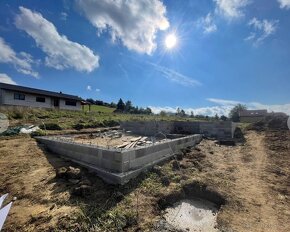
(38, 91)
(253, 113)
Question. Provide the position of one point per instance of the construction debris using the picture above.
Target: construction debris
(115, 138)
(25, 129)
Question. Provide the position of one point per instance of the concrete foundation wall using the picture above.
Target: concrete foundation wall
(139, 157)
(117, 166)
(96, 156)
(219, 130)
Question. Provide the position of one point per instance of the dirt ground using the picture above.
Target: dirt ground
(106, 141)
(52, 194)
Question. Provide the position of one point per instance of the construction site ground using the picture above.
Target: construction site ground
(52, 194)
(115, 139)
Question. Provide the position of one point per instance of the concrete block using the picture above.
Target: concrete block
(118, 166)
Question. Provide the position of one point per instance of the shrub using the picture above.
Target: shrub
(16, 115)
(38, 133)
(110, 123)
(78, 126)
(50, 126)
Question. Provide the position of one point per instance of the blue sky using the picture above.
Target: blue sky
(226, 52)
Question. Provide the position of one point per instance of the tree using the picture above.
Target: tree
(99, 103)
(216, 117)
(235, 112)
(148, 111)
(162, 113)
(182, 113)
(120, 105)
(191, 114)
(90, 100)
(113, 105)
(224, 118)
(128, 106)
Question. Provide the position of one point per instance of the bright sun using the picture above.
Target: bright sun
(170, 41)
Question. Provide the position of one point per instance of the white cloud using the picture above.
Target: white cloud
(223, 107)
(285, 108)
(209, 111)
(63, 16)
(176, 76)
(207, 24)
(89, 88)
(22, 61)
(134, 23)
(253, 105)
(262, 30)
(98, 90)
(231, 9)
(284, 4)
(223, 102)
(61, 52)
(4, 78)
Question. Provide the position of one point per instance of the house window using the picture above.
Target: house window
(40, 99)
(19, 96)
(70, 103)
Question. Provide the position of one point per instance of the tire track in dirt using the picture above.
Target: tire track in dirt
(253, 189)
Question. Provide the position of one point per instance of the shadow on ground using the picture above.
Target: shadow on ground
(85, 190)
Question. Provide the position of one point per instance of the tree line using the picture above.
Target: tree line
(101, 103)
(129, 108)
(181, 113)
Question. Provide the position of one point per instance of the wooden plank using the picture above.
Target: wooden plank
(123, 144)
(129, 145)
(143, 139)
(133, 144)
(136, 139)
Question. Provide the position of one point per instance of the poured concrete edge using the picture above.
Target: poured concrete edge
(114, 165)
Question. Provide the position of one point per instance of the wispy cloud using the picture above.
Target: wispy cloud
(89, 88)
(224, 107)
(223, 102)
(98, 90)
(284, 4)
(207, 24)
(262, 30)
(124, 71)
(63, 16)
(4, 78)
(176, 77)
(231, 9)
(21, 61)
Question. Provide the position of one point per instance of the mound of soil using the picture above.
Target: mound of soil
(270, 123)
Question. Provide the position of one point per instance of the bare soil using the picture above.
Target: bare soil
(53, 194)
(107, 141)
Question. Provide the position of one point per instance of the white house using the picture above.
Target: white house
(15, 95)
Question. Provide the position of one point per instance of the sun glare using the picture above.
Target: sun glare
(170, 41)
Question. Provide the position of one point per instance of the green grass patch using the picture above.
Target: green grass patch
(101, 109)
